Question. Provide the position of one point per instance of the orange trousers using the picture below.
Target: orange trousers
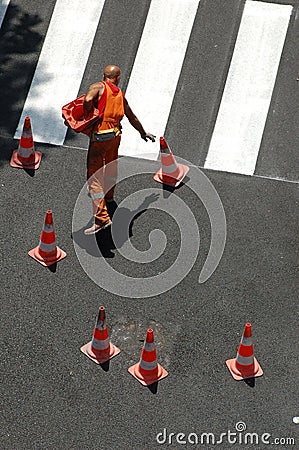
(102, 175)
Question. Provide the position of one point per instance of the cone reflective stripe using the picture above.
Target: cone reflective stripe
(245, 364)
(169, 164)
(147, 371)
(47, 252)
(245, 352)
(148, 360)
(25, 157)
(171, 173)
(100, 349)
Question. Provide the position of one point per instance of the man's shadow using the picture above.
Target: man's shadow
(105, 241)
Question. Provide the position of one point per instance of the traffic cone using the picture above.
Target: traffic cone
(245, 364)
(100, 349)
(171, 173)
(147, 371)
(47, 252)
(25, 157)
(73, 116)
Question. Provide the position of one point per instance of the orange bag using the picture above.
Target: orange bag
(72, 114)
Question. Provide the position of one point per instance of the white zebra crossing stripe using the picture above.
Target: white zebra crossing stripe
(3, 7)
(240, 125)
(156, 72)
(245, 103)
(60, 67)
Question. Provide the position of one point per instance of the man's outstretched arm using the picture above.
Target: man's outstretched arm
(134, 121)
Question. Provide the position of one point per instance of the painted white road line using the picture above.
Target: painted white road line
(3, 7)
(156, 72)
(246, 99)
(60, 68)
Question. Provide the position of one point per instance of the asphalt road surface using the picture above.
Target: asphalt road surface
(53, 396)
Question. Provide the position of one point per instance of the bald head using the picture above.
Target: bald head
(112, 73)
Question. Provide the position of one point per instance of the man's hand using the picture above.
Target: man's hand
(147, 136)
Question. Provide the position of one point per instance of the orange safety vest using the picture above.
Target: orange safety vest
(114, 108)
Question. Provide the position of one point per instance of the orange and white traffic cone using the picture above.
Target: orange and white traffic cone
(100, 349)
(47, 252)
(245, 364)
(147, 371)
(25, 157)
(171, 173)
(73, 115)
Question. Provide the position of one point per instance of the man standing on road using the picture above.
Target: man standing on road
(105, 140)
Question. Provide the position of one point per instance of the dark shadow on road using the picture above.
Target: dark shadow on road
(105, 366)
(53, 267)
(168, 190)
(20, 44)
(153, 387)
(31, 172)
(103, 243)
(250, 382)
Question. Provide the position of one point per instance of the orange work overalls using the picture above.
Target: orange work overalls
(102, 156)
